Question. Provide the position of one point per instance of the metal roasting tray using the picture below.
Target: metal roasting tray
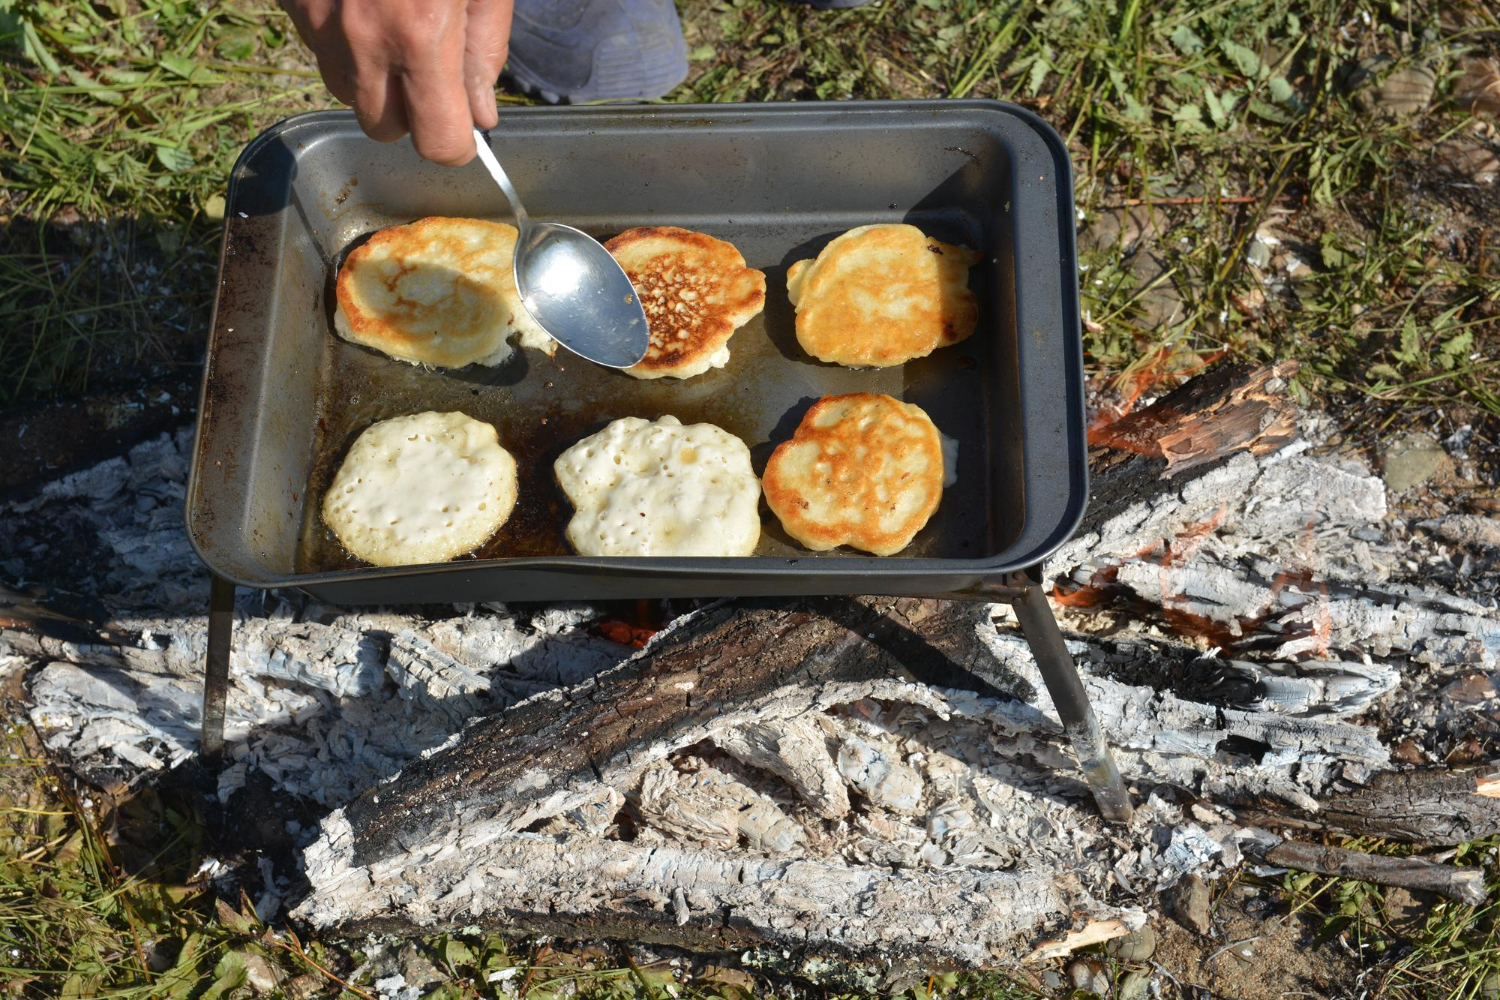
(283, 397)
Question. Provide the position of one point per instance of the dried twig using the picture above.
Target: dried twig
(1464, 884)
(296, 950)
(1195, 199)
(1231, 946)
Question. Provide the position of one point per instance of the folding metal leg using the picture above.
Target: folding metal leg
(1061, 676)
(216, 676)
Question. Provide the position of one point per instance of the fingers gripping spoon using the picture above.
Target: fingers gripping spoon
(571, 285)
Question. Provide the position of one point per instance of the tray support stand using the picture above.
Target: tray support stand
(216, 675)
(1023, 591)
(1073, 707)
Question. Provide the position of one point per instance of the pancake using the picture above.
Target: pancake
(862, 470)
(882, 295)
(696, 291)
(421, 489)
(436, 292)
(658, 488)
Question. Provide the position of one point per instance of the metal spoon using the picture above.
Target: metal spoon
(571, 285)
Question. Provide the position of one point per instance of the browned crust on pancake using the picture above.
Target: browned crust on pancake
(381, 330)
(834, 322)
(722, 293)
(895, 433)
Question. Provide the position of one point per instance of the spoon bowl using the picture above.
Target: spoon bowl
(577, 292)
(571, 285)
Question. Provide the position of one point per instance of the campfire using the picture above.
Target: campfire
(869, 779)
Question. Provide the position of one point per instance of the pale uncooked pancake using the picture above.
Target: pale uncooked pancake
(696, 291)
(863, 470)
(421, 489)
(436, 292)
(658, 488)
(882, 295)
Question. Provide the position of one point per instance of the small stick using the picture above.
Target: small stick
(1196, 199)
(1464, 884)
(1231, 946)
(295, 948)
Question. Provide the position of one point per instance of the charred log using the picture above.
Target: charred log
(1260, 638)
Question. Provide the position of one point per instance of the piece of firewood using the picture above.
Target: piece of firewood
(1236, 407)
(1432, 806)
(1463, 884)
(1240, 625)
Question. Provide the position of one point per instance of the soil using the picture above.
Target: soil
(1252, 956)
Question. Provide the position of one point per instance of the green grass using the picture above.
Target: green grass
(1183, 100)
(125, 115)
(118, 124)
(119, 120)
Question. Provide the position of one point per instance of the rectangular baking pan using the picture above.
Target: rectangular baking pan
(283, 397)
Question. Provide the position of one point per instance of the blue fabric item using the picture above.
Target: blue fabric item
(575, 51)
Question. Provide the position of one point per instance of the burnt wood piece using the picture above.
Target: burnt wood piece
(1432, 807)
(1463, 884)
(718, 659)
(1232, 408)
(1184, 436)
(799, 909)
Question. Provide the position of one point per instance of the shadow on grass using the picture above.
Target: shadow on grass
(92, 306)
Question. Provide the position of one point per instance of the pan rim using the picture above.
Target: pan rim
(1059, 527)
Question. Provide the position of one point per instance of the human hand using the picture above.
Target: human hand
(427, 67)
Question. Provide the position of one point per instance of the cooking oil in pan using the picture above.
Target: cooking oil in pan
(541, 405)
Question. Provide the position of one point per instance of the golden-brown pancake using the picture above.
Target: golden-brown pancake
(863, 470)
(436, 292)
(882, 295)
(696, 291)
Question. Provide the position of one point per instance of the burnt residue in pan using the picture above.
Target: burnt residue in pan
(540, 406)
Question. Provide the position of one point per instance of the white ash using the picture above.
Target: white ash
(881, 777)
(1311, 687)
(268, 903)
(324, 702)
(694, 801)
(1288, 544)
(1291, 510)
(795, 750)
(132, 505)
(849, 781)
(325, 709)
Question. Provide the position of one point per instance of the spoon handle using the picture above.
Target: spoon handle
(487, 157)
